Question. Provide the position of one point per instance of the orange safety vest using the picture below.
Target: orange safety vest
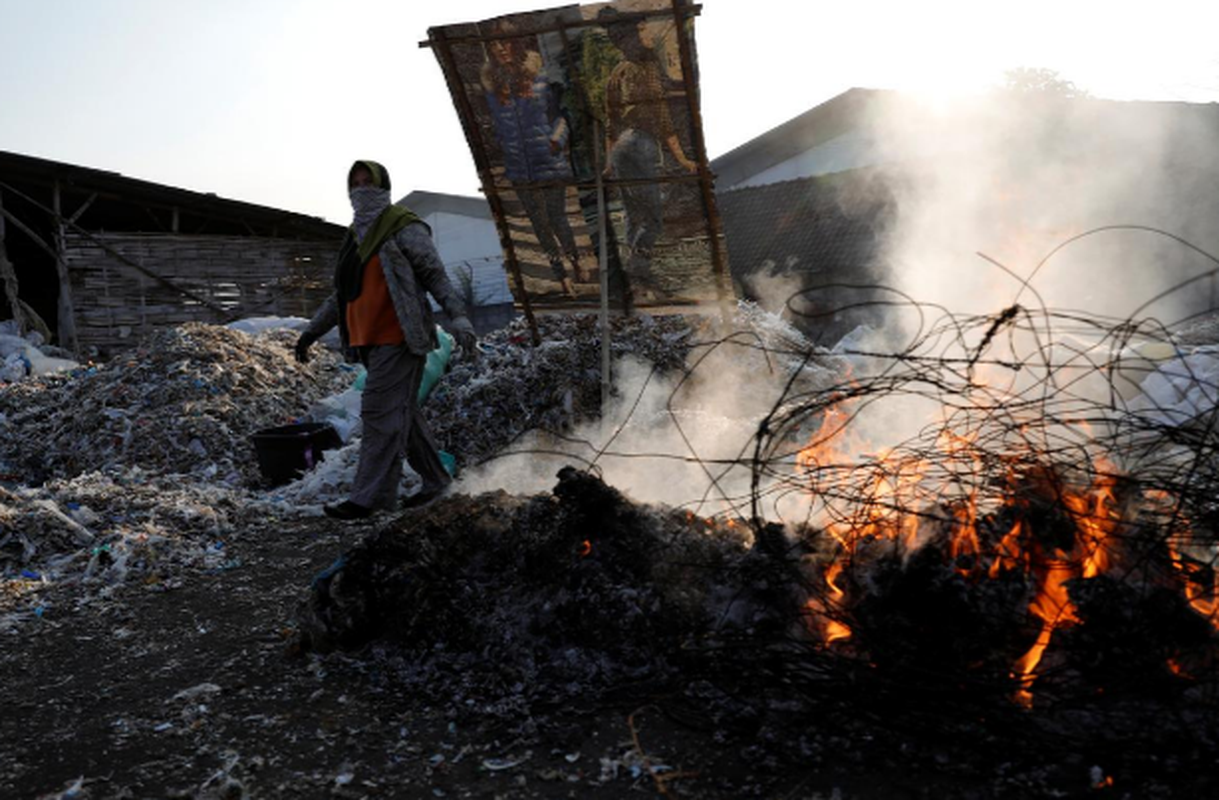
(371, 318)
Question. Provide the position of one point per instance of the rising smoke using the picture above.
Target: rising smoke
(1014, 176)
(681, 440)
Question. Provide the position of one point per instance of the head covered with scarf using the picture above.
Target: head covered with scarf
(375, 219)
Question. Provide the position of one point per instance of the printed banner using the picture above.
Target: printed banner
(549, 99)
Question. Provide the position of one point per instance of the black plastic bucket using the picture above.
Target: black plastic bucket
(289, 451)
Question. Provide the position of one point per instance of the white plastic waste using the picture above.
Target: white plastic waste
(21, 358)
(1181, 388)
(257, 325)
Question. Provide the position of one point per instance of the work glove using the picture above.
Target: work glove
(302, 347)
(463, 332)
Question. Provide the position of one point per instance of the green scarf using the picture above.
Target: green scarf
(393, 219)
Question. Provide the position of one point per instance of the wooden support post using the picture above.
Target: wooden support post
(474, 138)
(8, 277)
(683, 10)
(65, 312)
(83, 208)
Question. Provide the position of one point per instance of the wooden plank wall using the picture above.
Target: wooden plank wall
(118, 305)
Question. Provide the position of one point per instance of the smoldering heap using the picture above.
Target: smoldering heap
(508, 608)
(184, 402)
(545, 597)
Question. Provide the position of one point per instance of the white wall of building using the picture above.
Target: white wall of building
(469, 247)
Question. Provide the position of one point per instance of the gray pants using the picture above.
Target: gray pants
(393, 427)
(547, 211)
(636, 155)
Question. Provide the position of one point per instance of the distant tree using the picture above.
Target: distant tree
(1043, 82)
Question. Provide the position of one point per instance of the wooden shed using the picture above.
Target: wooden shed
(104, 259)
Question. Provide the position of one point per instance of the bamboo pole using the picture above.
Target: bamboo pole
(682, 10)
(65, 326)
(474, 138)
(8, 276)
(603, 260)
(83, 208)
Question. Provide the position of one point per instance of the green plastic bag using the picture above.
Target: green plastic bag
(437, 361)
(433, 371)
(449, 461)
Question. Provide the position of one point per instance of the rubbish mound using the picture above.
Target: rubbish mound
(552, 596)
(185, 402)
(101, 531)
(482, 406)
(507, 607)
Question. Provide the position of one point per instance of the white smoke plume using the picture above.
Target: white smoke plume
(1014, 176)
(682, 442)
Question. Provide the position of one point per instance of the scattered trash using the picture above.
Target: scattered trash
(195, 692)
(185, 402)
(500, 764)
(75, 790)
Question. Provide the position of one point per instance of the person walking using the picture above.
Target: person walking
(387, 265)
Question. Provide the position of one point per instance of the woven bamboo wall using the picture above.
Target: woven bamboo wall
(189, 278)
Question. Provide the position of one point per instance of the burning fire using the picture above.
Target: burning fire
(993, 524)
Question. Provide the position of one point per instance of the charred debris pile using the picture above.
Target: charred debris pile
(1026, 573)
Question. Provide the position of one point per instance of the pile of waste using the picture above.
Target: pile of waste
(103, 530)
(184, 402)
(558, 595)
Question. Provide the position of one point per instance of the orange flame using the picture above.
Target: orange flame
(893, 483)
(835, 630)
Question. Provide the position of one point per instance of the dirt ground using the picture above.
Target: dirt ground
(192, 692)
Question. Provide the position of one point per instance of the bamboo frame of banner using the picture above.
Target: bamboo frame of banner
(681, 10)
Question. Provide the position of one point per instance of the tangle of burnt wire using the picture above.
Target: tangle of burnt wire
(1059, 412)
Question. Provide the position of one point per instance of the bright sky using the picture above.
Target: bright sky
(269, 101)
